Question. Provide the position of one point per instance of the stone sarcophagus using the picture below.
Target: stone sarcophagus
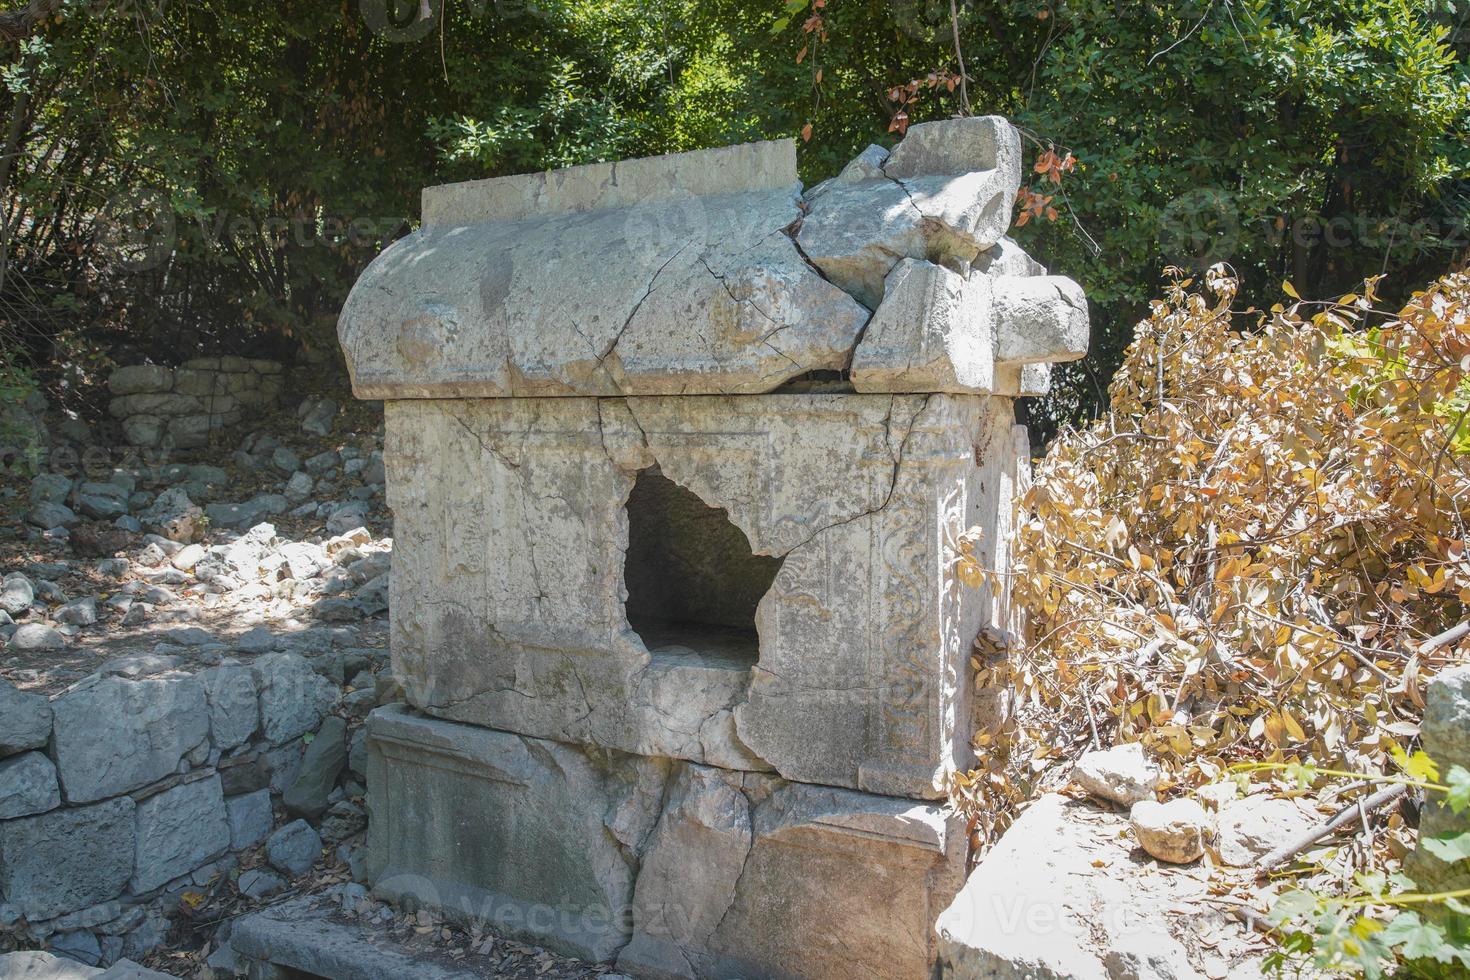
(680, 459)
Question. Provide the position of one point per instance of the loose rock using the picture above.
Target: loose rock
(323, 762)
(1253, 827)
(1173, 831)
(16, 594)
(37, 636)
(250, 818)
(294, 848)
(1122, 774)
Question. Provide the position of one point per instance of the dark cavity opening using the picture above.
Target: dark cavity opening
(693, 582)
(817, 383)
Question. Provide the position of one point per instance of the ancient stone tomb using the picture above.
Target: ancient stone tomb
(680, 457)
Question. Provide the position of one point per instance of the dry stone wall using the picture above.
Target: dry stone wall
(146, 780)
(179, 407)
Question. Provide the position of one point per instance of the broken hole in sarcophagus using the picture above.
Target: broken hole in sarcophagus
(693, 582)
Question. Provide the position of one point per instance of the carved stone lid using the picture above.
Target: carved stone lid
(710, 273)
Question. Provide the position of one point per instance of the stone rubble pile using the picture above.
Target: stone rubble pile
(178, 408)
(337, 575)
(197, 757)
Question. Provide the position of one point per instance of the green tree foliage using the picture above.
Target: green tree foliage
(187, 174)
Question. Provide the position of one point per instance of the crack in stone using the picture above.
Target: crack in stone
(737, 300)
(485, 447)
(904, 187)
(647, 292)
(745, 863)
(893, 482)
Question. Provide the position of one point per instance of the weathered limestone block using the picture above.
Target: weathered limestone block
(114, 734)
(674, 176)
(616, 265)
(751, 876)
(944, 194)
(67, 859)
(534, 837)
(933, 331)
(511, 539)
(1040, 320)
(179, 830)
(680, 870)
(1059, 896)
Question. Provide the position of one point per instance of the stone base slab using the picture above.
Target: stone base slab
(672, 868)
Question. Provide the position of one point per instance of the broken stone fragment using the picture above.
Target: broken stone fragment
(1122, 774)
(1006, 258)
(1173, 831)
(1039, 319)
(956, 146)
(944, 194)
(932, 332)
(1058, 896)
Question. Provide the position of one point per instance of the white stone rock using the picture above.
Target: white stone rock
(36, 636)
(187, 557)
(1122, 774)
(1039, 319)
(1255, 826)
(1173, 831)
(1059, 897)
(934, 331)
(944, 194)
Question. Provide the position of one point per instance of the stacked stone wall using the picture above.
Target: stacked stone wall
(134, 788)
(179, 407)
